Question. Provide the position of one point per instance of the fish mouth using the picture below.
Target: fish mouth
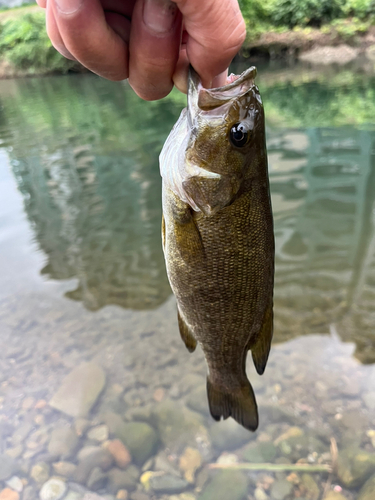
(202, 99)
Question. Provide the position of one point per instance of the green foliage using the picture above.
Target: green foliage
(25, 44)
(349, 28)
(305, 12)
(359, 8)
(261, 16)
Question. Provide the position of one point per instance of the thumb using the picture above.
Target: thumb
(216, 31)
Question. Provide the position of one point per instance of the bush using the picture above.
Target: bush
(25, 44)
(291, 13)
(306, 12)
(360, 8)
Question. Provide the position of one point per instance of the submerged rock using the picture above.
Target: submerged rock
(281, 489)
(178, 426)
(260, 452)
(119, 452)
(367, 492)
(229, 435)
(190, 462)
(226, 485)
(89, 458)
(40, 472)
(53, 489)
(334, 495)
(79, 390)
(97, 479)
(65, 469)
(311, 488)
(161, 482)
(7, 467)
(197, 401)
(122, 479)
(354, 466)
(139, 438)
(63, 442)
(9, 494)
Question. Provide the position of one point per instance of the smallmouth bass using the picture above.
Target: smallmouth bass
(218, 241)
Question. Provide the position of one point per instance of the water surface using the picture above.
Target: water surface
(83, 280)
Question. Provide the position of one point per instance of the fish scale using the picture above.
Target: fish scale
(218, 237)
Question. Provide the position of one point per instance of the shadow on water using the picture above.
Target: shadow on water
(86, 164)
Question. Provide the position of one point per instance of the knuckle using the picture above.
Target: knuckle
(150, 92)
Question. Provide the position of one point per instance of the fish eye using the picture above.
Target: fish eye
(239, 135)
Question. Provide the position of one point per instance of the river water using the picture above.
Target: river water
(92, 367)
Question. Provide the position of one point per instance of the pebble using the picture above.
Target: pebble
(369, 399)
(40, 472)
(53, 489)
(99, 433)
(122, 495)
(7, 467)
(63, 442)
(281, 489)
(189, 462)
(9, 494)
(167, 483)
(73, 495)
(354, 466)
(367, 492)
(89, 458)
(140, 439)
(260, 452)
(260, 494)
(228, 435)
(15, 483)
(334, 495)
(226, 485)
(97, 479)
(81, 425)
(14, 452)
(119, 452)
(311, 488)
(79, 390)
(65, 469)
(178, 426)
(119, 479)
(139, 495)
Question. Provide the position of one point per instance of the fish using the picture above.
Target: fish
(218, 239)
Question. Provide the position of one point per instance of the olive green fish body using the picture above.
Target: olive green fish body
(219, 248)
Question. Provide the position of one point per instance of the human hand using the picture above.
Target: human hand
(150, 42)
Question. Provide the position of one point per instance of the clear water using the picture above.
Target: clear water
(83, 280)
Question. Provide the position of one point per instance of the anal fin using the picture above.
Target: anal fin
(186, 334)
(261, 349)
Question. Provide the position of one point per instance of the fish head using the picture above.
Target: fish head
(221, 142)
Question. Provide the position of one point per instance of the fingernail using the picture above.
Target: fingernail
(68, 6)
(159, 15)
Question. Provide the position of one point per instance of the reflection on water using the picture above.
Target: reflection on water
(84, 156)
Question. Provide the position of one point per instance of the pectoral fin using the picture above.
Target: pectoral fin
(186, 334)
(212, 193)
(261, 349)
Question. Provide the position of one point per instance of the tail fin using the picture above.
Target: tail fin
(239, 404)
